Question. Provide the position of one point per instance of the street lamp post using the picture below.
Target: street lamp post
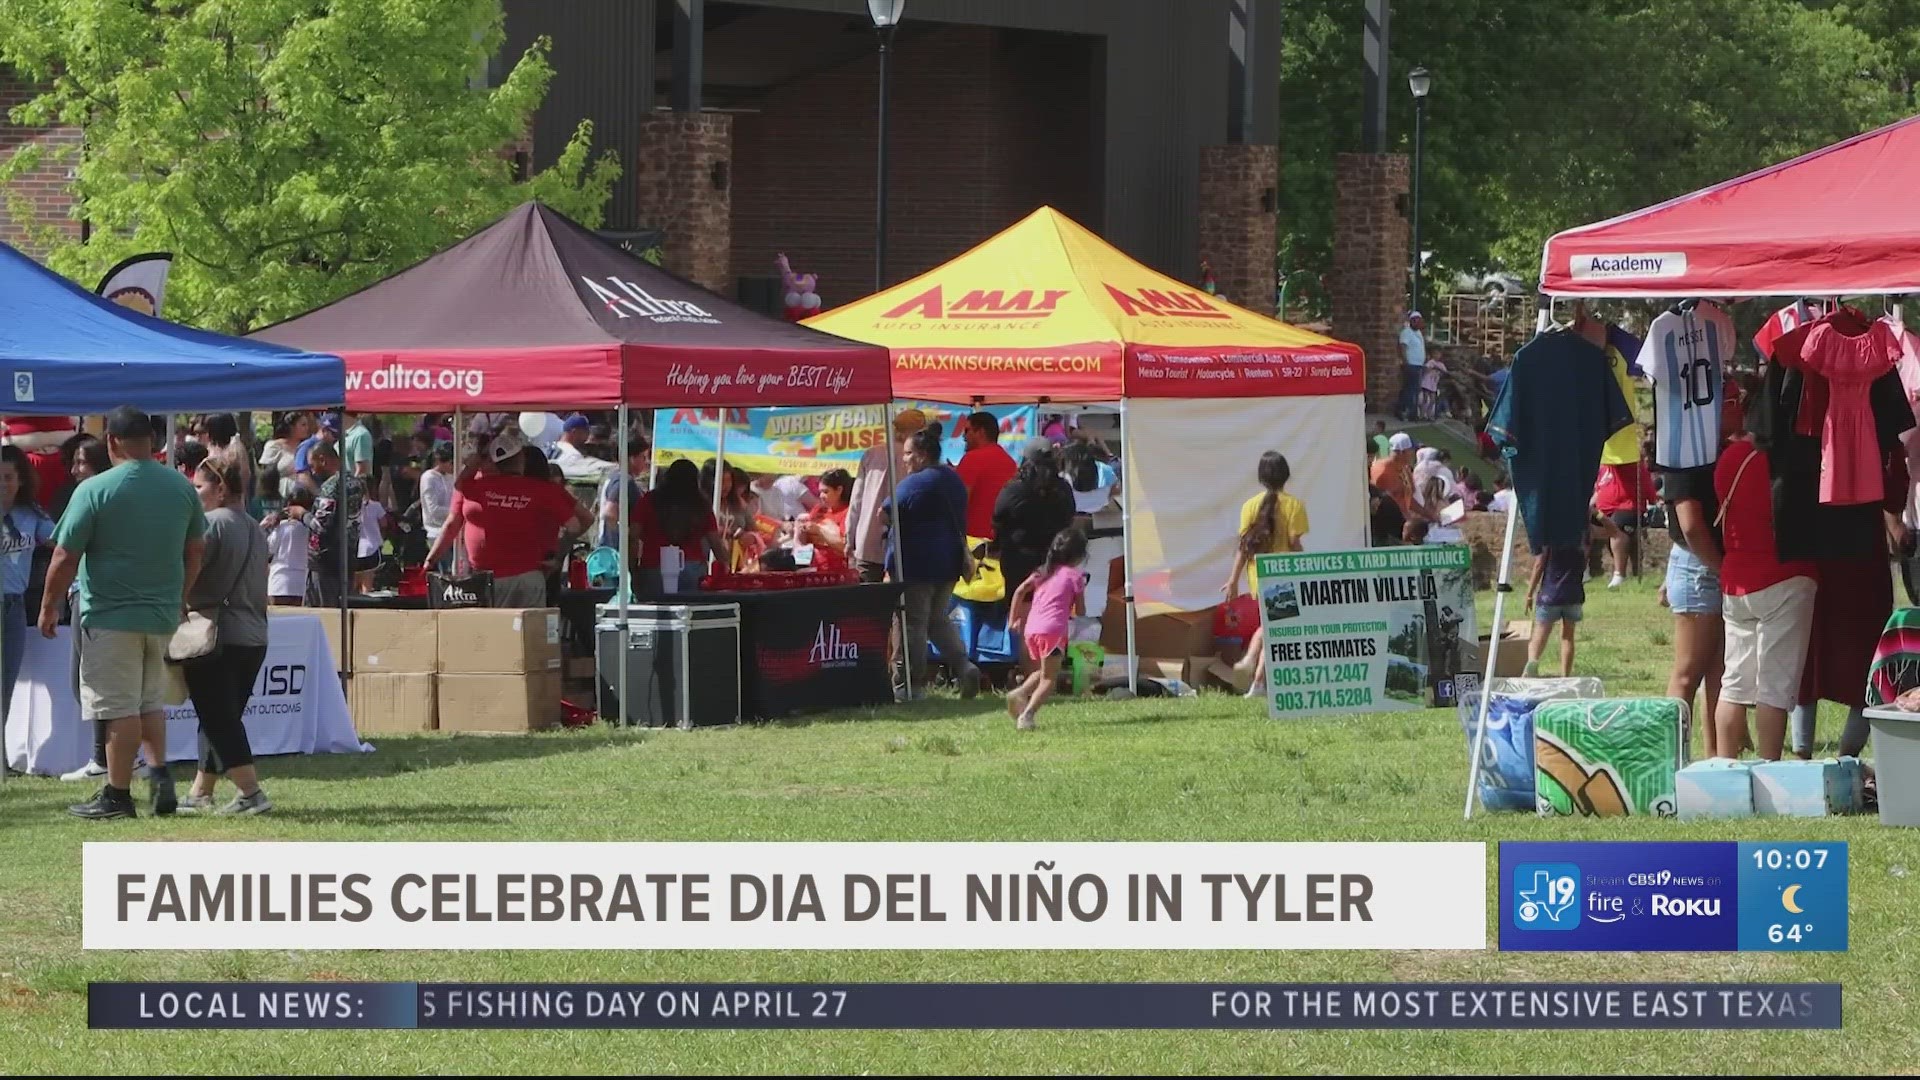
(886, 17)
(1420, 81)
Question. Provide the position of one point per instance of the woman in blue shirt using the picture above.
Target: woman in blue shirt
(932, 552)
(23, 527)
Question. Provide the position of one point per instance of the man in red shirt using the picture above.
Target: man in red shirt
(510, 522)
(985, 468)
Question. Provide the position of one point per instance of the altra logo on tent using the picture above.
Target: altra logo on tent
(980, 304)
(631, 300)
(1161, 303)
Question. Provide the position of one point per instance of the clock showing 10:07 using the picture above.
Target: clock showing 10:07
(1793, 897)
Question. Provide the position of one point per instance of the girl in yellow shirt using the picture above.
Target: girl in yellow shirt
(1272, 522)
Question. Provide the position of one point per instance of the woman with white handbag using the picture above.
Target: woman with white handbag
(223, 641)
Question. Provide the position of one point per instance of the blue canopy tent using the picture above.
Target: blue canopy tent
(66, 352)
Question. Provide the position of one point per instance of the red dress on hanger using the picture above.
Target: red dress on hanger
(1850, 471)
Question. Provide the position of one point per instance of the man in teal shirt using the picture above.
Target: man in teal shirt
(134, 535)
(356, 449)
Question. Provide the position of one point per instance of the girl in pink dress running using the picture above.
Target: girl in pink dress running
(1043, 608)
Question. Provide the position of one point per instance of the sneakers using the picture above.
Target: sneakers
(1025, 723)
(970, 683)
(90, 771)
(256, 803)
(1616, 582)
(1017, 705)
(165, 802)
(106, 803)
(195, 804)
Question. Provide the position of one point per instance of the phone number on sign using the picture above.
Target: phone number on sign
(1324, 699)
(1319, 674)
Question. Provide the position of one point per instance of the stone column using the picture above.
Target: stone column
(1237, 199)
(1368, 290)
(683, 179)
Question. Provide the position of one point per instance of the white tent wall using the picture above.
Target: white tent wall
(1190, 465)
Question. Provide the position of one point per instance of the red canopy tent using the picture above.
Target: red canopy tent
(535, 311)
(1844, 220)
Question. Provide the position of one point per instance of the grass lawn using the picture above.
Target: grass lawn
(1211, 769)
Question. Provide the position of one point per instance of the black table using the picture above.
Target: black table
(812, 650)
(578, 609)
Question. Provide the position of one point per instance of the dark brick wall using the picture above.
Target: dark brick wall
(46, 188)
(985, 126)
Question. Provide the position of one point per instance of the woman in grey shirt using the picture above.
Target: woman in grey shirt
(232, 591)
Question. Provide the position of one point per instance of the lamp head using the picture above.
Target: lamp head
(1419, 80)
(886, 13)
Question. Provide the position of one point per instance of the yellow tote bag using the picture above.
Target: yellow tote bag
(989, 585)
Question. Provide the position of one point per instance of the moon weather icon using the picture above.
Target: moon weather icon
(1787, 899)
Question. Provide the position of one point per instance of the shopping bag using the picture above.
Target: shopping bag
(447, 593)
(989, 585)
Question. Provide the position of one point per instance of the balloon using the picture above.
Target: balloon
(541, 429)
(793, 299)
(810, 301)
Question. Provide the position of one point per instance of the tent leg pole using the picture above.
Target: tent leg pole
(720, 485)
(459, 469)
(1500, 591)
(348, 544)
(899, 557)
(626, 583)
(1126, 561)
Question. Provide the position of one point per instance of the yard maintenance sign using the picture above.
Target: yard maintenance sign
(1366, 631)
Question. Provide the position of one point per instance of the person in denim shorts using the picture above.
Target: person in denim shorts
(1692, 590)
(1557, 594)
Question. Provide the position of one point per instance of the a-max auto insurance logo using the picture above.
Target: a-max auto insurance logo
(1626, 896)
(1166, 304)
(976, 305)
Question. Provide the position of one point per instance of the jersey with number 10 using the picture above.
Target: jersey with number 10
(1686, 354)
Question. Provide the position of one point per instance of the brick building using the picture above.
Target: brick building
(1151, 121)
(748, 129)
(45, 188)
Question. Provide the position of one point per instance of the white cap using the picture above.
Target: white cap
(1401, 441)
(508, 443)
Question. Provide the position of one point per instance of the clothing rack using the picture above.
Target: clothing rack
(1543, 319)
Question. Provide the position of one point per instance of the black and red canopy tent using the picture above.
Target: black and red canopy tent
(536, 311)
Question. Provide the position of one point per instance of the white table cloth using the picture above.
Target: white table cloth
(297, 707)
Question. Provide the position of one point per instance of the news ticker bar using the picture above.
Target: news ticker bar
(901, 1006)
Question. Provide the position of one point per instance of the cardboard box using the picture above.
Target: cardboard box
(500, 702)
(1176, 636)
(395, 642)
(393, 704)
(1512, 662)
(329, 621)
(499, 641)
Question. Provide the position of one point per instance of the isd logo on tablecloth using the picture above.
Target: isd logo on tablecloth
(1673, 897)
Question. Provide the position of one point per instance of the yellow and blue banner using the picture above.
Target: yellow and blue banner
(809, 441)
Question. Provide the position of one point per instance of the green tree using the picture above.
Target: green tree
(1546, 116)
(286, 151)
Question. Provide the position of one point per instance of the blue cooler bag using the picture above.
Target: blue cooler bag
(1506, 760)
